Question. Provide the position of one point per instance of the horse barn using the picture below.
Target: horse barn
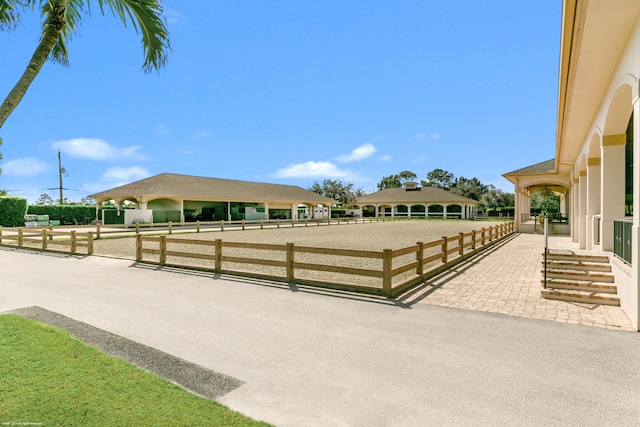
(413, 201)
(182, 198)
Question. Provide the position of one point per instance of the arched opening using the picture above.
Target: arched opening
(454, 211)
(435, 211)
(418, 211)
(402, 210)
(369, 211)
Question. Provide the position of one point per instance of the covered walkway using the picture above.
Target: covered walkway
(506, 279)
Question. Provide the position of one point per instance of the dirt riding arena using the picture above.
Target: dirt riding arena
(364, 237)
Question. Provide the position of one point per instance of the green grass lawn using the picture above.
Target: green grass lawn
(50, 378)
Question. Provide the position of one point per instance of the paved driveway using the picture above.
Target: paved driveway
(308, 358)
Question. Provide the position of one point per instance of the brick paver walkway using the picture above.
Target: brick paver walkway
(505, 279)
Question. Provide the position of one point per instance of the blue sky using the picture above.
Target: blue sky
(289, 92)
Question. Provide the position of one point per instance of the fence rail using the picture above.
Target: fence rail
(49, 240)
(389, 272)
(99, 230)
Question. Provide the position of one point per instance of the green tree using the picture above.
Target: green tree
(61, 19)
(495, 199)
(87, 201)
(470, 188)
(342, 192)
(545, 201)
(391, 181)
(439, 178)
(2, 192)
(397, 180)
(45, 199)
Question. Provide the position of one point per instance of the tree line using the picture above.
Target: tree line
(488, 196)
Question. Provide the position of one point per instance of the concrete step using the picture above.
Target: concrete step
(564, 264)
(556, 254)
(581, 296)
(588, 276)
(579, 285)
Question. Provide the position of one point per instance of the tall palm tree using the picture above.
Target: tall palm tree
(60, 21)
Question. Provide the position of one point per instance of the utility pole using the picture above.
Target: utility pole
(61, 170)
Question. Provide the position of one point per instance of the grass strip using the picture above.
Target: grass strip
(48, 377)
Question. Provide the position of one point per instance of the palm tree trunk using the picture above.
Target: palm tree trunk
(49, 38)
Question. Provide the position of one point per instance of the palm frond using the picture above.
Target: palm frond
(10, 12)
(147, 18)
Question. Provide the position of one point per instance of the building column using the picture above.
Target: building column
(582, 238)
(593, 199)
(634, 313)
(575, 211)
(613, 182)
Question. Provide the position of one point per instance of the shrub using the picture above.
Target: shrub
(66, 214)
(12, 211)
(338, 213)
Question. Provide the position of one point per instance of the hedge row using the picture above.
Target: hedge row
(12, 211)
(66, 214)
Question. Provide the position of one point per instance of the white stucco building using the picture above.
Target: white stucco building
(595, 169)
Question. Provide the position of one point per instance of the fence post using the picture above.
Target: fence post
(51, 229)
(445, 249)
(473, 242)
(293, 222)
(170, 227)
(306, 222)
(73, 241)
(387, 266)
(218, 265)
(163, 250)
(97, 231)
(222, 225)
(243, 224)
(20, 237)
(197, 226)
(137, 228)
(90, 243)
(44, 239)
(483, 235)
(0, 235)
(461, 244)
(278, 222)
(138, 248)
(290, 262)
(419, 258)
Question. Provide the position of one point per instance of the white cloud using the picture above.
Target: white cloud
(97, 149)
(173, 16)
(161, 130)
(312, 169)
(203, 134)
(385, 158)
(125, 174)
(28, 166)
(360, 153)
(115, 177)
(420, 136)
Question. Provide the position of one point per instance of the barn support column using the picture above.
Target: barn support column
(613, 185)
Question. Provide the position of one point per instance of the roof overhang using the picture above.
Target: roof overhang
(593, 36)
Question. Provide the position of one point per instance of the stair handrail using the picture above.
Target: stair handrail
(546, 247)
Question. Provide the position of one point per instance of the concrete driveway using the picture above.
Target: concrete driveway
(309, 358)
